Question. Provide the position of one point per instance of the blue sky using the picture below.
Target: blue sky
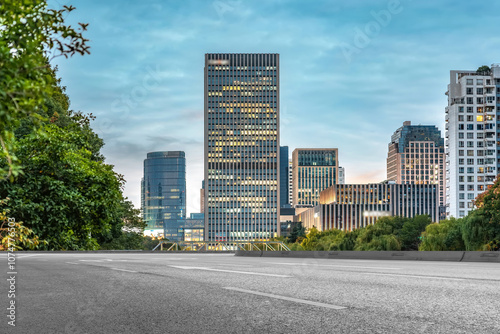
(351, 72)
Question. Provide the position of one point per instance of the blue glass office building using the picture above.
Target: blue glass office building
(164, 193)
(241, 146)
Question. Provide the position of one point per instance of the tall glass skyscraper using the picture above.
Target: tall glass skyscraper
(164, 193)
(241, 146)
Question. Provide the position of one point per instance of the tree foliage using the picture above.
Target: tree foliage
(298, 231)
(30, 35)
(14, 235)
(443, 236)
(388, 233)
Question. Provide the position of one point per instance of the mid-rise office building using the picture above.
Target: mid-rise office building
(472, 155)
(416, 156)
(351, 206)
(163, 193)
(242, 194)
(314, 170)
(284, 187)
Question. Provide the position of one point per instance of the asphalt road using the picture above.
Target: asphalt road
(221, 293)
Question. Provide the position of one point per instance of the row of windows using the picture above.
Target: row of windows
(479, 135)
(478, 126)
(461, 205)
(480, 100)
(479, 153)
(479, 90)
(471, 179)
(480, 161)
(470, 82)
(479, 118)
(478, 109)
(470, 187)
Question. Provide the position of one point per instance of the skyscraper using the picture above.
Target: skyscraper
(471, 136)
(241, 146)
(314, 170)
(164, 193)
(284, 176)
(416, 156)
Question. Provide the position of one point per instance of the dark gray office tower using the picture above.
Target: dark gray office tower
(164, 193)
(241, 146)
(284, 186)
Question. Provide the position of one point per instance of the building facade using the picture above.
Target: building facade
(284, 187)
(341, 175)
(416, 156)
(472, 158)
(241, 146)
(163, 193)
(313, 170)
(351, 206)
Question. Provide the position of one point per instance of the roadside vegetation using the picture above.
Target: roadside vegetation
(56, 190)
(478, 231)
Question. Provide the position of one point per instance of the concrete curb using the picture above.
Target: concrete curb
(454, 256)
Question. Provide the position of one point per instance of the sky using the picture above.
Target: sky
(351, 72)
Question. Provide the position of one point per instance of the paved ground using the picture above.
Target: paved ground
(220, 293)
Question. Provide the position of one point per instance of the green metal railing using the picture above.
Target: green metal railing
(200, 246)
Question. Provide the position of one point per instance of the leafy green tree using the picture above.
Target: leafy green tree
(14, 235)
(298, 231)
(381, 235)
(311, 240)
(67, 195)
(409, 235)
(485, 70)
(443, 236)
(481, 228)
(30, 35)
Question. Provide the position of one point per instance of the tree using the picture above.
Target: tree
(411, 231)
(14, 235)
(311, 240)
(30, 35)
(484, 70)
(481, 228)
(443, 236)
(381, 235)
(67, 195)
(298, 231)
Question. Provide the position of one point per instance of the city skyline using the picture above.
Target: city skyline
(337, 81)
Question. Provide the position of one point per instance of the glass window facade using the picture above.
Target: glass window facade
(164, 193)
(416, 156)
(241, 146)
(314, 170)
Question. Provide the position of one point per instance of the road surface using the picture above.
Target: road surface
(78, 293)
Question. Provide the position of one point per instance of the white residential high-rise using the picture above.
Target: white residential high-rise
(472, 159)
